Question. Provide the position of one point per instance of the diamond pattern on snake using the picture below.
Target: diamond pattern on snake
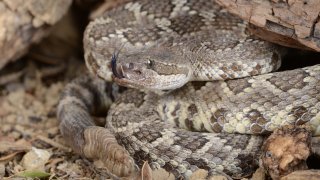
(202, 91)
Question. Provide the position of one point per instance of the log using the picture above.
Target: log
(292, 23)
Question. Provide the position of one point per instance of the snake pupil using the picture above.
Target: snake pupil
(150, 64)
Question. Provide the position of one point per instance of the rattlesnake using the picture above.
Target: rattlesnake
(162, 45)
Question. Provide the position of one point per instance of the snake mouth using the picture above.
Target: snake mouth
(146, 78)
(155, 83)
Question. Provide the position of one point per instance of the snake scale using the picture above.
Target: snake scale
(217, 105)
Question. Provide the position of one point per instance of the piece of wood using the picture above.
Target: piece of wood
(286, 150)
(293, 23)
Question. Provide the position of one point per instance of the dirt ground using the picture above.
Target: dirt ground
(29, 124)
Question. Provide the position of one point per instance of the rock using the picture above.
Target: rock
(23, 22)
(35, 159)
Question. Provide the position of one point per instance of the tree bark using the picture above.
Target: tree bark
(293, 23)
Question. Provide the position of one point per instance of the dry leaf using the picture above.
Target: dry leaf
(146, 171)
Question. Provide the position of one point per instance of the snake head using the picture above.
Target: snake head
(159, 71)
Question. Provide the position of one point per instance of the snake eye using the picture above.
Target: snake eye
(150, 64)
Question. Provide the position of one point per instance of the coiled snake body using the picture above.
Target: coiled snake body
(162, 45)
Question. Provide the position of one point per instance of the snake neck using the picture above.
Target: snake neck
(223, 70)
